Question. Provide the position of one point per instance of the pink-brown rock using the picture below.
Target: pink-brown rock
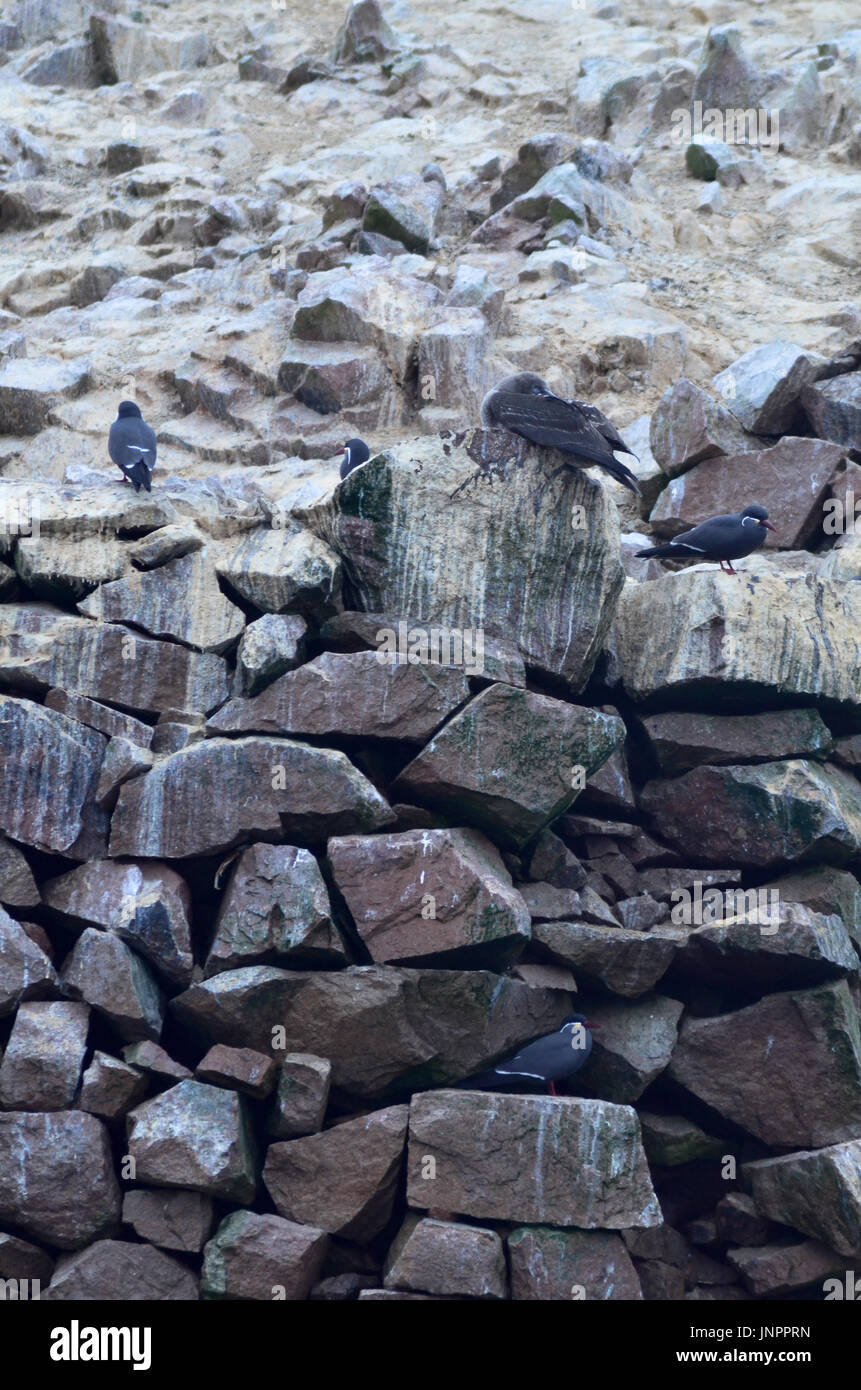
(343, 1180)
(431, 895)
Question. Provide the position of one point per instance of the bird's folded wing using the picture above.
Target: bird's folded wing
(555, 423)
(604, 426)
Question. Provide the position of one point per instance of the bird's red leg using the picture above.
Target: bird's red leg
(551, 1087)
(730, 569)
(722, 570)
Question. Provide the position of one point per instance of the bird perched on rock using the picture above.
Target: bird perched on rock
(525, 405)
(356, 451)
(723, 538)
(132, 446)
(549, 1059)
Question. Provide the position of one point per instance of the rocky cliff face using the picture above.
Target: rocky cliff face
(319, 797)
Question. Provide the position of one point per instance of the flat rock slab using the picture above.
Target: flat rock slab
(385, 1030)
(179, 600)
(764, 638)
(510, 762)
(263, 1257)
(195, 1136)
(350, 694)
(509, 553)
(763, 388)
(788, 946)
(211, 796)
(817, 1192)
(771, 1270)
(762, 815)
(533, 1159)
(104, 661)
(57, 1181)
(555, 1266)
(343, 1180)
(682, 741)
(746, 1066)
(431, 894)
(626, 962)
(117, 1270)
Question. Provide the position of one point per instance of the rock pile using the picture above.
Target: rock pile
(319, 797)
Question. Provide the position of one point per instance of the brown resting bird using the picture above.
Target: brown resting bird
(525, 405)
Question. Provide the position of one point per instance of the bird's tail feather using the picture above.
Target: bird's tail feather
(139, 475)
(678, 551)
(621, 473)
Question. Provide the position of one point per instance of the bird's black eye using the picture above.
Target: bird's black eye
(538, 390)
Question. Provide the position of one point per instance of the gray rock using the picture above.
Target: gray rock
(276, 908)
(41, 1067)
(197, 1137)
(267, 648)
(57, 1181)
(110, 1088)
(817, 1192)
(552, 1265)
(550, 1163)
(343, 1180)
(25, 970)
(763, 388)
(31, 387)
(301, 1096)
(632, 1046)
(173, 1220)
(267, 787)
(119, 1270)
(102, 971)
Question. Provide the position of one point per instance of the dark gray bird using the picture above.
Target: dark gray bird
(132, 446)
(356, 451)
(548, 1060)
(525, 405)
(723, 538)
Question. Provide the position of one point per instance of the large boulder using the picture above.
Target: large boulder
(768, 641)
(385, 1030)
(510, 762)
(49, 771)
(552, 1265)
(261, 789)
(681, 741)
(440, 896)
(760, 815)
(116, 1270)
(44, 647)
(180, 600)
(787, 1069)
(554, 1160)
(817, 1192)
(57, 1181)
(343, 1180)
(343, 694)
(536, 558)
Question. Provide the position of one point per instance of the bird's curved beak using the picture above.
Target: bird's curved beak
(768, 526)
(593, 1027)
